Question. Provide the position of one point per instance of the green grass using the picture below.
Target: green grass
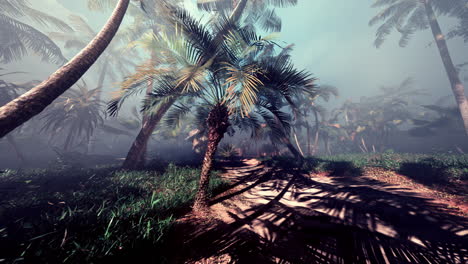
(428, 169)
(421, 167)
(91, 215)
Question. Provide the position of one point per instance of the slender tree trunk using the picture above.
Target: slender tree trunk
(316, 141)
(137, 153)
(38, 98)
(317, 128)
(218, 124)
(15, 147)
(135, 158)
(309, 151)
(297, 144)
(452, 73)
(293, 150)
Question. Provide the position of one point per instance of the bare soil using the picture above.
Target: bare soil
(280, 215)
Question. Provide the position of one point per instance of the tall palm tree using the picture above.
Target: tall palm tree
(136, 155)
(18, 37)
(408, 16)
(37, 99)
(240, 86)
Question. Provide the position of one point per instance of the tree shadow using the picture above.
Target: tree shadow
(343, 220)
(430, 173)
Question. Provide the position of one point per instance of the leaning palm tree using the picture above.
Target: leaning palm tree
(240, 85)
(37, 99)
(18, 37)
(408, 16)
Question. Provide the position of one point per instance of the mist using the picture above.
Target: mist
(192, 104)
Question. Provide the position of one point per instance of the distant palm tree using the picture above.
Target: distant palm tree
(18, 37)
(310, 104)
(76, 113)
(408, 16)
(37, 99)
(257, 12)
(9, 91)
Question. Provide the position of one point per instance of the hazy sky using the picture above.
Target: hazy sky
(332, 40)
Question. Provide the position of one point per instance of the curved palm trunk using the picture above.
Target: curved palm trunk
(37, 99)
(137, 153)
(218, 124)
(293, 150)
(452, 73)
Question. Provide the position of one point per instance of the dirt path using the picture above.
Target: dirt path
(272, 215)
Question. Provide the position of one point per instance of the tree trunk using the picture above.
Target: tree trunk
(297, 144)
(37, 99)
(137, 153)
(135, 156)
(293, 150)
(218, 123)
(309, 150)
(452, 73)
(317, 129)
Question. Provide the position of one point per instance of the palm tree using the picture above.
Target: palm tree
(37, 99)
(76, 113)
(238, 86)
(408, 16)
(259, 12)
(9, 91)
(18, 37)
(137, 154)
(309, 104)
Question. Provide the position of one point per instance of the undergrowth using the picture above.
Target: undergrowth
(91, 215)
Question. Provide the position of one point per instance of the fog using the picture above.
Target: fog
(332, 40)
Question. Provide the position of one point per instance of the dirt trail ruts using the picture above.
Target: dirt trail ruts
(277, 215)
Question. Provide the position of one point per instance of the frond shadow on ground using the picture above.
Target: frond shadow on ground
(343, 220)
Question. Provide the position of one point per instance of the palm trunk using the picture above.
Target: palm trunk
(452, 73)
(297, 144)
(37, 99)
(293, 150)
(218, 124)
(317, 128)
(136, 154)
(309, 151)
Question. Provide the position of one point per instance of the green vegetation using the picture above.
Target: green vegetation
(423, 168)
(88, 215)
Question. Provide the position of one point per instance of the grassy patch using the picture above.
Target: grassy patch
(91, 215)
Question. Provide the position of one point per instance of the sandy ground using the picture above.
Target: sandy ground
(273, 215)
